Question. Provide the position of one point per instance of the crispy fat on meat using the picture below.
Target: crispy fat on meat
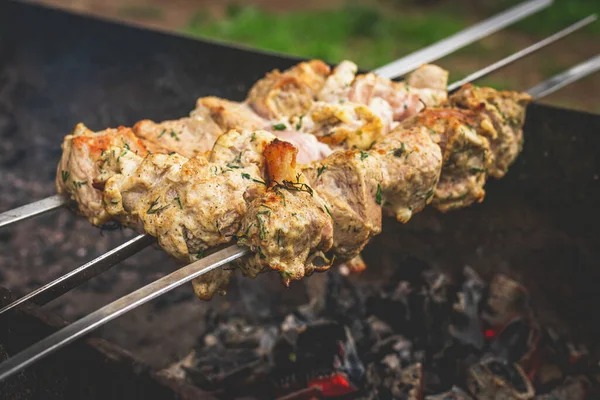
(506, 110)
(88, 160)
(288, 93)
(288, 228)
(463, 137)
(347, 181)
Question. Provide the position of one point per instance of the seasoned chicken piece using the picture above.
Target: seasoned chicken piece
(463, 138)
(410, 163)
(188, 204)
(507, 112)
(405, 99)
(348, 182)
(430, 82)
(230, 115)
(288, 93)
(337, 85)
(188, 136)
(288, 228)
(348, 125)
(88, 160)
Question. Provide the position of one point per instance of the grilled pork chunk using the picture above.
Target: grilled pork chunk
(288, 93)
(463, 137)
(88, 160)
(506, 110)
(288, 228)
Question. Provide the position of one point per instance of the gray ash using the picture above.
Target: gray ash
(421, 335)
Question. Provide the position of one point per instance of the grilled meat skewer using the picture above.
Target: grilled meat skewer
(190, 205)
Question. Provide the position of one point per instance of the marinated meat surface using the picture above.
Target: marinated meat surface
(337, 85)
(288, 93)
(506, 110)
(230, 115)
(189, 205)
(405, 98)
(463, 139)
(348, 183)
(288, 228)
(410, 164)
(188, 136)
(88, 160)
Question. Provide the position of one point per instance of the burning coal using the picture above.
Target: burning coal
(419, 336)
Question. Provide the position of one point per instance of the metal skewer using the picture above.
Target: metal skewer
(522, 53)
(106, 261)
(169, 282)
(392, 70)
(461, 39)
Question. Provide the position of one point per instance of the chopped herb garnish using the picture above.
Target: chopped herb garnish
(218, 229)
(475, 170)
(278, 237)
(359, 132)
(233, 166)
(299, 123)
(126, 146)
(327, 209)
(363, 155)
(253, 137)
(153, 210)
(320, 170)
(200, 254)
(279, 127)
(429, 194)
(162, 133)
(171, 153)
(179, 202)
(265, 212)
(247, 176)
(432, 131)
(399, 152)
(260, 252)
(65, 176)
(296, 186)
(79, 184)
(378, 194)
(174, 135)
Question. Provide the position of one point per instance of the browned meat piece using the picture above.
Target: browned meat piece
(410, 169)
(188, 136)
(348, 182)
(88, 160)
(337, 85)
(188, 204)
(231, 115)
(288, 228)
(405, 98)
(348, 125)
(507, 112)
(288, 93)
(463, 138)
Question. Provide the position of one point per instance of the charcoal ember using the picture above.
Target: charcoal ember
(466, 323)
(495, 379)
(455, 393)
(573, 388)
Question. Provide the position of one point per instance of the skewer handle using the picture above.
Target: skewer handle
(117, 308)
(84, 273)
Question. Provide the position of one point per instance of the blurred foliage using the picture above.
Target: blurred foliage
(372, 34)
(365, 34)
